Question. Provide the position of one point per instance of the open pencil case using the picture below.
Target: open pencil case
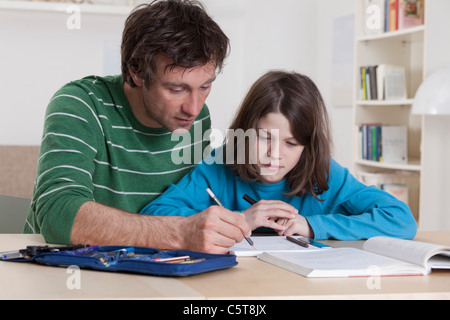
(141, 260)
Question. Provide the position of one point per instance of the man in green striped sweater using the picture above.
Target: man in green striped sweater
(108, 146)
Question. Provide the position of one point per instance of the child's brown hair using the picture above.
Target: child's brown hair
(299, 100)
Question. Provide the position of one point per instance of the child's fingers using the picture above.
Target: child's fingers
(277, 205)
(274, 225)
(270, 214)
(278, 214)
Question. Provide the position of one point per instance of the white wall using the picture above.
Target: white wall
(335, 56)
(264, 35)
(39, 54)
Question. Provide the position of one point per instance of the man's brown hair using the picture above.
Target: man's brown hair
(179, 29)
(299, 100)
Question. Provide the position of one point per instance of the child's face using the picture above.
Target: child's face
(278, 151)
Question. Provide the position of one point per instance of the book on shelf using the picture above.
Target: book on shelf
(392, 15)
(380, 256)
(382, 82)
(404, 185)
(410, 13)
(394, 140)
(399, 191)
(386, 182)
(394, 82)
(371, 142)
(382, 16)
(384, 143)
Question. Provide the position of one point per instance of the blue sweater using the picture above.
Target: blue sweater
(350, 210)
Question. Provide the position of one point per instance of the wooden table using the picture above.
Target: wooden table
(250, 279)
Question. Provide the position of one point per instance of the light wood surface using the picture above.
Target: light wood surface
(257, 279)
(250, 279)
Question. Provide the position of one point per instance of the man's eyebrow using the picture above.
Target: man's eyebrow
(185, 85)
(211, 80)
(174, 84)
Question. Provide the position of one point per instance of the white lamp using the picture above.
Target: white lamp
(433, 96)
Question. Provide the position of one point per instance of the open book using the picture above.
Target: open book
(381, 256)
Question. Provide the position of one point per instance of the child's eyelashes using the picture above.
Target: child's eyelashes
(288, 143)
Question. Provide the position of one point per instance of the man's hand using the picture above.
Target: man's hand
(215, 230)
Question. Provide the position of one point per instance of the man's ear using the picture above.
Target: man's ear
(138, 81)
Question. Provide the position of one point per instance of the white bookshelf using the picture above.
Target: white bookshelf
(402, 34)
(405, 102)
(420, 50)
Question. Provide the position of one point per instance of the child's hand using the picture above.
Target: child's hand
(265, 213)
(299, 226)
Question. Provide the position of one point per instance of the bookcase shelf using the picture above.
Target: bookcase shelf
(412, 165)
(381, 103)
(403, 35)
(420, 50)
(406, 48)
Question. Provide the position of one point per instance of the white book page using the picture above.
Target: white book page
(441, 261)
(406, 250)
(268, 244)
(342, 262)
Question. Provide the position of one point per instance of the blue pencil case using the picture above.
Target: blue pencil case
(141, 260)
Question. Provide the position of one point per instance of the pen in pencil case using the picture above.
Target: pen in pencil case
(81, 251)
(32, 251)
(213, 196)
(109, 258)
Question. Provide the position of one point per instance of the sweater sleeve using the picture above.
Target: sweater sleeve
(189, 195)
(353, 211)
(66, 164)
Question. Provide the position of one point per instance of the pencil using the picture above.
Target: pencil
(301, 242)
(213, 196)
(249, 199)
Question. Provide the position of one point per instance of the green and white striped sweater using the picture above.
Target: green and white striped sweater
(94, 149)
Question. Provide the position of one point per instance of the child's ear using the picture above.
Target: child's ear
(138, 81)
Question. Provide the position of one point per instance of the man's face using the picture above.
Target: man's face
(176, 96)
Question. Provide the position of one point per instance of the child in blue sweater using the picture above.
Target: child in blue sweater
(279, 153)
